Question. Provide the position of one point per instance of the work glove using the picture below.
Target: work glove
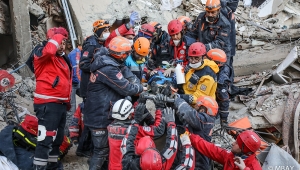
(153, 72)
(185, 138)
(167, 91)
(188, 25)
(154, 87)
(133, 18)
(168, 72)
(169, 115)
(238, 161)
(139, 115)
(142, 97)
(160, 100)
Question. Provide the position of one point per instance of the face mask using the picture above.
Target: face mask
(196, 65)
(106, 35)
(131, 42)
(176, 42)
(212, 19)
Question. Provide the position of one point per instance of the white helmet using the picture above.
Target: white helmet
(122, 109)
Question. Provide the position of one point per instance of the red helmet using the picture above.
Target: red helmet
(129, 32)
(57, 30)
(197, 49)
(143, 144)
(147, 29)
(151, 159)
(248, 141)
(174, 27)
(210, 104)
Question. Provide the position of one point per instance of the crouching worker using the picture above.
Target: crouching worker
(144, 154)
(241, 156)
(224, 77)
(200, 120)
(123, 112)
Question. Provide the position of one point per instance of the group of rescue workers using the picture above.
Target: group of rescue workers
(111, 65)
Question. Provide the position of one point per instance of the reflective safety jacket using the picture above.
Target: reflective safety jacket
(53, 73)
(161, 50)
(222, 156)
(200, 82)
(201, 124)
(120, 31)
(131, 161)
(117, 131)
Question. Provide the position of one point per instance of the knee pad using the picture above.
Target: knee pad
(42, 133)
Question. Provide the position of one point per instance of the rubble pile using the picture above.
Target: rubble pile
(48, 14)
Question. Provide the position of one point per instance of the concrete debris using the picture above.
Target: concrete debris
(5, 19)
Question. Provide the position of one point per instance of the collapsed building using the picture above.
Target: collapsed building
(267, 59)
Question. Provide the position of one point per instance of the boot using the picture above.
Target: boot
(96, 163)
(52, 166)
(39, 167)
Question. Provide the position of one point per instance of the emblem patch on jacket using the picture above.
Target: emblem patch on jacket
(85, 54)
(203, 87)
(119, 75)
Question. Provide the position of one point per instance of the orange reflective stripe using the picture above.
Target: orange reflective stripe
(202, 27)
(232, 16)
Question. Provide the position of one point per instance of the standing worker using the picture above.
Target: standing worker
(52, 70)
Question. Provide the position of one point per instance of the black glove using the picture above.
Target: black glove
(154, 87)
(169, 115)
(139, 115)
(160, 101)
(167, 91)
(141, 97)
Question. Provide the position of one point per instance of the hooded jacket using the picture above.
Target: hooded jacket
(201, 81)
(108, 83)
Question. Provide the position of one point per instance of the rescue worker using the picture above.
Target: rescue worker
(123, 112)
(179, 45)
(160, 46)
(144, 154)
(241, 157)
(107, 84)
(74, 57)
(53, 74)
(124, 30)
(212, 28)
(93, 42)
(200, 120)
(186, 23)
(224, 77)
(136, 60)
(200, 75)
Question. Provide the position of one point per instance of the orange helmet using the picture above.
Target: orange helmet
(100, 24)
(151, 159)
(212, 5)
(142, 46)
(143, 144)
(210, 104)
(248, 141)
(184, 18)
(119, 47)
(217, 55)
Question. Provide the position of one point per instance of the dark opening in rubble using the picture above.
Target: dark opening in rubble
(33, 22)
(257, 3)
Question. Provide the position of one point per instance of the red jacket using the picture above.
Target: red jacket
(179, 52)
(222, 156)
(76, 126)
(53, 74)
(117, 131)
(120, 31)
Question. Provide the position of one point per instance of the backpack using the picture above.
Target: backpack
(25, 136)
(29, 61)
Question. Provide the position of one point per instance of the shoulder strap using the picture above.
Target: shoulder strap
(199, 73)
